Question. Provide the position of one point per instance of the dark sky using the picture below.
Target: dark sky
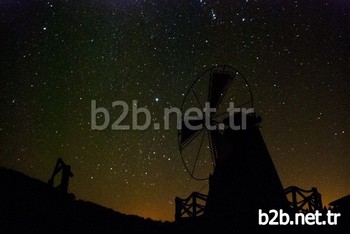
(57, 56)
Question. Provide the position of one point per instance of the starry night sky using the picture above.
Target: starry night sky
(57, 56)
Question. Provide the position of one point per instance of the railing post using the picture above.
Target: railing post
(178, 207)
(194, 205)
(294, 197)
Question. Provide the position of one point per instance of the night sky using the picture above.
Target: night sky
(57, 56)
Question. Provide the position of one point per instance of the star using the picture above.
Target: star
(294, 59)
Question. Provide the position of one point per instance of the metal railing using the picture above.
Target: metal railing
(191, 207)
(303, 200)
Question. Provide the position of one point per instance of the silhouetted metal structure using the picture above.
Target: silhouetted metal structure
(191, 207)
(243, 178)
(65, 174)
(301, 200)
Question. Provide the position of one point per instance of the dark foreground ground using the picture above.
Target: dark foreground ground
(28, 205)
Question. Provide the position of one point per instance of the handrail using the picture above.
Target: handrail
(304, 200)
(190, 207)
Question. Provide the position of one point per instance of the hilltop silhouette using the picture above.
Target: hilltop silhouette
(28, 205)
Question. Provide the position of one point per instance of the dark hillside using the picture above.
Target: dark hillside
(28, 205)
